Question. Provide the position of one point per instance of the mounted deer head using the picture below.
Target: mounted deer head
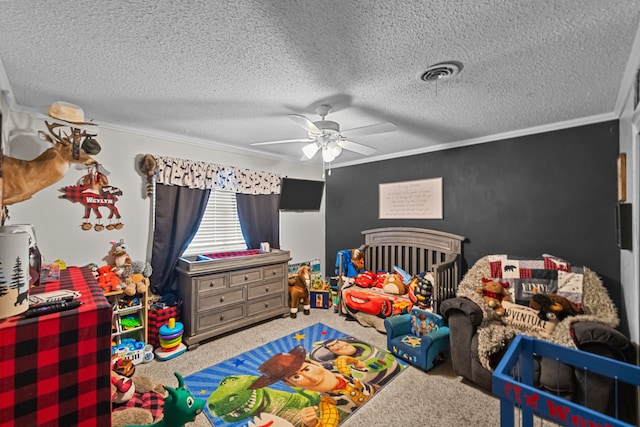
(23, 178)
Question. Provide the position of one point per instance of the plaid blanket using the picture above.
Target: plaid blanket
(230, 254)
(549, 275)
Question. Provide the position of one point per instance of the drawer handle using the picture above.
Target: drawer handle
(266, 304)
(246, 277)
(274, 272)
(266, 289)
(221, 317)
(212, 284)
(222, 299)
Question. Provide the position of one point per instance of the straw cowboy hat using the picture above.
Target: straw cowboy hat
(67, 112)
(279, 367)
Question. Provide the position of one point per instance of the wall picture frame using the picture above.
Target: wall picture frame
(419, 199)
(622, 177)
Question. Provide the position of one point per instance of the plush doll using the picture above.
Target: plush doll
(107, 279)
(420, 290)
(493, 293)
(144, 399)
(357, 258)
(553, 306)
(122, 388)
(299, 291)
(138, 282)
(121, 261)
(393, 284)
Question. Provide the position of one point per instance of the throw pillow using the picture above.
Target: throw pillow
(526, 320)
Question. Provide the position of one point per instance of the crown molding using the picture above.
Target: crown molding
(486, 139)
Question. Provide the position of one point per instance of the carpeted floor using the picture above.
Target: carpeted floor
(437, 398)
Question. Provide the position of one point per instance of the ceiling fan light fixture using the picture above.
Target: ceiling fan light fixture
(334, 149)
(310, 150)
(327, 155)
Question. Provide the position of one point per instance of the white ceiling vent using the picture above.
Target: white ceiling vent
(440, 72)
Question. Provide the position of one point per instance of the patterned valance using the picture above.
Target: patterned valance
(197, 174)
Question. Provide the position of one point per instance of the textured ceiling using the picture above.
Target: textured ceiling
(227, 73)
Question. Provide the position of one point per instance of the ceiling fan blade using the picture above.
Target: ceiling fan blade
(370, 129)
(358, 148)
(310, 150)
(304, 123)
(282, 141)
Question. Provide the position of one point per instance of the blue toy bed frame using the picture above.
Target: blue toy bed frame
(520, 392)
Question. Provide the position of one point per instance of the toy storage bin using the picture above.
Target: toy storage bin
(157, 318)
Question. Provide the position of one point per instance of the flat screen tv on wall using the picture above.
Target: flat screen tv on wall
(300, 195)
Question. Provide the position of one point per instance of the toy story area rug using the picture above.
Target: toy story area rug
(315, 376)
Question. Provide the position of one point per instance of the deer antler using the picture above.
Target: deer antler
(57, 137)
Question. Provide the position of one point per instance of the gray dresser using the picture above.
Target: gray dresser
(221, 295)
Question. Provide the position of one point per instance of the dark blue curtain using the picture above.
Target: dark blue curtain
(177, 217)
(259, 219)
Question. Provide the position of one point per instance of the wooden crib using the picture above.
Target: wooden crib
(417, 250)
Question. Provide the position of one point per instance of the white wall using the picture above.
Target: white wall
(629, 260)
(57, 221)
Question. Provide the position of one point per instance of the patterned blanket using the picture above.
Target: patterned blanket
(584, 284)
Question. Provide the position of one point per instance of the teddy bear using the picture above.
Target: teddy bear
(493, 293)
(138, 282)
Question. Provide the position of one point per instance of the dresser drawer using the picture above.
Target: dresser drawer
(264, 289)
(273, 271)
(245, 276)
(213, 281)
(267, 304)
(220, 317)
(209, 300)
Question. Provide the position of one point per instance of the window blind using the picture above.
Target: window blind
(220, 228)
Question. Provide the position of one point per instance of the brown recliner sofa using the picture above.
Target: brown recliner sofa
(472, 323)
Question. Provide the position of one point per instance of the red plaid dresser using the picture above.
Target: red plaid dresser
(55, 368)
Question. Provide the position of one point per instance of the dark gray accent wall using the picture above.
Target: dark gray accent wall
(551, 193)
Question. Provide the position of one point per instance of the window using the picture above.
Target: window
(220, 227)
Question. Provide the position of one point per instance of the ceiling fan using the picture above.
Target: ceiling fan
(326, 136)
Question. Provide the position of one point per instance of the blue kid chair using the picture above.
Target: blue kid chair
(418, 337)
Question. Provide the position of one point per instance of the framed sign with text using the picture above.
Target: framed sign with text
(420, 199)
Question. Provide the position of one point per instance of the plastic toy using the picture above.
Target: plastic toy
(170, 340)
(180, 407)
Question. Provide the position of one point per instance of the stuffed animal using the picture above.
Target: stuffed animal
(357, 258)
(493, 293)
(553, 306)
(420, 291)
(122, 388)
(393, 284)
(143, 402)
(138, 282)
(108, 279)
(299, 291)
(121, 261)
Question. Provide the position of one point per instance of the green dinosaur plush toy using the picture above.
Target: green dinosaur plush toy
(180, 407)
